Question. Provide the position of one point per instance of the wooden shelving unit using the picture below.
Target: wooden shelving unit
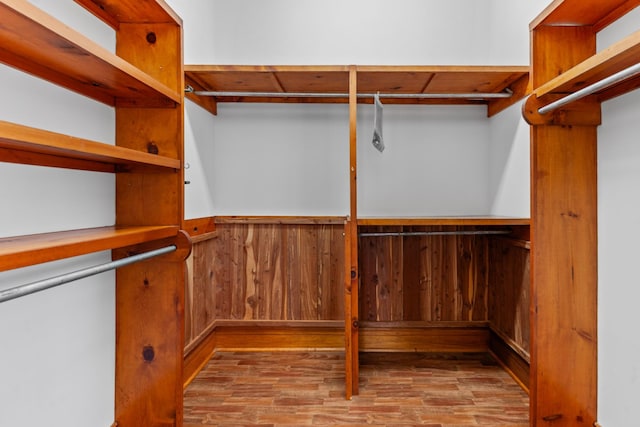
(143, 80)
(601, 65)
(443, 85)
(22, 144)
(397, 80)
(22, 251)
(564, 183)
(63, 56)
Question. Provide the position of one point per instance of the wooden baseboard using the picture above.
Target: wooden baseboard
(424, 336)
(510, 359)
(197, 356)
(279, 336)
(329, 336)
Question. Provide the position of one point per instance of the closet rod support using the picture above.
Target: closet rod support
(434, 233)
(41, 285)
(472, 95)
(591, 89)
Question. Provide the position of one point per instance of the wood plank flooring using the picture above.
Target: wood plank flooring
(396, 389)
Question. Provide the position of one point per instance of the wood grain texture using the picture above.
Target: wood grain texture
(59, 54)
(590, 13)
(509, 291)
(23, 144)
(22, 251)
(563, 246)
(277, 272)
(425, 278)
(150, 296)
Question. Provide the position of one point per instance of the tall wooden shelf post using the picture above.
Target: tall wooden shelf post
(563, 238)
(150, 295)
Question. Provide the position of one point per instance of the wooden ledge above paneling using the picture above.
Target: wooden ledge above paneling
(436, 221)
(394, 80)
(280, 220)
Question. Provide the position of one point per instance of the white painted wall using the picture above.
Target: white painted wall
(435, 162)
(57, 353)
(509, 172)
(618, 232)
(281, 32)
(426, 146)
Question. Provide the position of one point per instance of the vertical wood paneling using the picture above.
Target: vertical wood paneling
(423, 278)
(278, 271)
(413, 278)
(509, 291)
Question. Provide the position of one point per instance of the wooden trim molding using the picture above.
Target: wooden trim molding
(424, 336)
(511, 358)
(280, 219)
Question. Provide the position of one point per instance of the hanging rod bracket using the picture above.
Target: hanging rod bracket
(584, 112)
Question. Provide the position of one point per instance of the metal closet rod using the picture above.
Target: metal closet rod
(434, 233)
(591, 89)
(41, 285)
(472, 95)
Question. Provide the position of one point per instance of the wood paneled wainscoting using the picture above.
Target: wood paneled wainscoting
(259, 283)
(426, 288)
(266, 283)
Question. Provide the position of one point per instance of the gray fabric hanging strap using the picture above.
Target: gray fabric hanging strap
(377, 142)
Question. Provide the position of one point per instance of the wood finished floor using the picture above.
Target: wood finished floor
(407, 389)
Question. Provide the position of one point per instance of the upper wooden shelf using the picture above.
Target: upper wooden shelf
(616, 58)
(23, 251)
(22, 144)
(396, 80)
(436, 221)
(596, 13)
(37, 43)
(131, 11)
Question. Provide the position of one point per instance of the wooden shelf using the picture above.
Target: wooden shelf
(22, 144)
(451, 221)
(617, 57)
(23, 251)
(37, 43)
(131, 11)
(280, 220)
(596, 13)
(370, 79)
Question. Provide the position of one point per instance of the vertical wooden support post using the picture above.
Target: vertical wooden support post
(564, 245)
(150, 295)
(351, 250)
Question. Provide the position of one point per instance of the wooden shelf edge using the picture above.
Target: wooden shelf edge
(124, 83)
(328, 220)
(23, 251)
(266, 79)
(114, 13)
(23, 144)
(436, 221)
(615, 58)
(595, 13)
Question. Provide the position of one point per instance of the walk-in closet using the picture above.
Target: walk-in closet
(226, 212)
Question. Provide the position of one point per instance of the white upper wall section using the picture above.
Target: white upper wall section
(376, 32)
(509, 30)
